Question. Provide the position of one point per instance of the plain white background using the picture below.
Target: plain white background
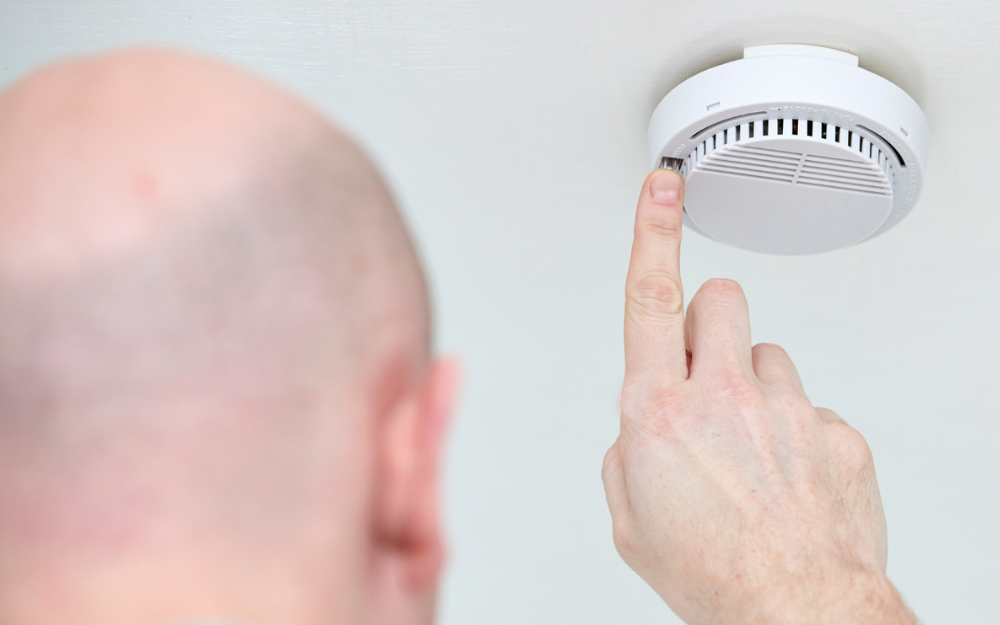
(513, 133)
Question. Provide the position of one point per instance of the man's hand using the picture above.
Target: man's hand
(730, 494)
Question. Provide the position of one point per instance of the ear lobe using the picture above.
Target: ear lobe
(408, 531)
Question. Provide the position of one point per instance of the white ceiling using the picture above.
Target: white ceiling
(514, 135)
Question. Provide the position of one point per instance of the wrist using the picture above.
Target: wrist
(858, 598)
(875, 601)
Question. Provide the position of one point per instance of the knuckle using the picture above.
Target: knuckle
(623, 540)
(829, 416)
(651, 413)
(736, 384)
(853, 447)
(655, 400)
(660, 223)
(795, 404)
(657, 295)
(610, 464)
(631, 400)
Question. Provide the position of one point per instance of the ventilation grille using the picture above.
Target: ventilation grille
(732, 151)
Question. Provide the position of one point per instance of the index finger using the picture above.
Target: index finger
(654, 298)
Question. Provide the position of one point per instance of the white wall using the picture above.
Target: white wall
(513, 132)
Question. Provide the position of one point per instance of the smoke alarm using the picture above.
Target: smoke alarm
(792, 149)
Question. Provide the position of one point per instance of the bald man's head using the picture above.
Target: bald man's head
(207, 300)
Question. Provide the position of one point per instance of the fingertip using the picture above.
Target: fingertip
(665, 186)
(661, 206)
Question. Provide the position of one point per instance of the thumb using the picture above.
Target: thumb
(615, 488)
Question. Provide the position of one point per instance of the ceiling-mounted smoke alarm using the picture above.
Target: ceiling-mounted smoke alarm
(792, 150)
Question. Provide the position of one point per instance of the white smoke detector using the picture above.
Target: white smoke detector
(792, 149)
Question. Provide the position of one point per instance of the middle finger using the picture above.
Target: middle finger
(718, 328)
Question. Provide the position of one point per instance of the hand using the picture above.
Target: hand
(730, 494)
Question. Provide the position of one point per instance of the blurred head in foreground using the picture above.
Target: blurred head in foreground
(216, 394)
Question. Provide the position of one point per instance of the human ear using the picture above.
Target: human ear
(408, 537)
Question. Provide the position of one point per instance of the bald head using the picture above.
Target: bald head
(205, 293)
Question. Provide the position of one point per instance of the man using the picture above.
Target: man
(734, 498)
(217, 398)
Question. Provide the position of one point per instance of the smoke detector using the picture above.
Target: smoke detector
(792, 149)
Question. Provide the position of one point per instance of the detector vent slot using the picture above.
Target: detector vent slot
(733, 152)
(726, 123)
(883, 142)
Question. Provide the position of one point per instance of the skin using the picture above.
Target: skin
(734, 498)
(216, 393)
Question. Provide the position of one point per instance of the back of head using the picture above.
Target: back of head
(207, 298)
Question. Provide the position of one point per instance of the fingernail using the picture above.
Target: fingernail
(665, 188)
